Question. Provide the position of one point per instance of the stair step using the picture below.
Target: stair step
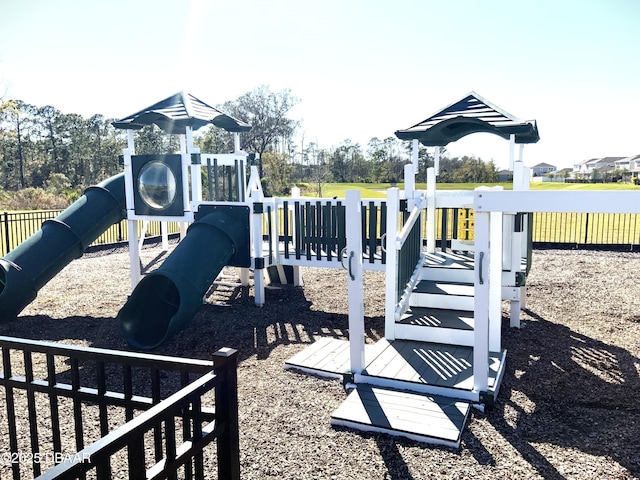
(443, 295)
(437, 317)
(454, 327)
(448, 266)
(426, 418)
(447, 274)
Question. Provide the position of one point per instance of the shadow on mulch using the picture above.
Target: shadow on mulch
(228, 319)
(566, 389)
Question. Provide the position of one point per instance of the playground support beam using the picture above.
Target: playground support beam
(431, 210)
(355, 281)
(391, 269)
(481, 304)
(624, 201)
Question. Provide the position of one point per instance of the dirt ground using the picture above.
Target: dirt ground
(569, 406)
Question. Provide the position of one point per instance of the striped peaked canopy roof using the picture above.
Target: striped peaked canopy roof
(178, 111)
(471, 114)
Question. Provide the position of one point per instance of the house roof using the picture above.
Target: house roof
(604, 160)
(629, 159)
(544, 165)
(470, 114)
(178, 111)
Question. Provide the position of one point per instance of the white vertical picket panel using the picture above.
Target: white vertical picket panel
(481, 304)
(431, 210)
(391, 270)
(495, 280)
(355, 285)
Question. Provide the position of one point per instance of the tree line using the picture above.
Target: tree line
(41, 147)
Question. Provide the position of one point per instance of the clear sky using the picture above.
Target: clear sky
(360, 68)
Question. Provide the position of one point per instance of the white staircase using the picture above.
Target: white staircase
(420, 384)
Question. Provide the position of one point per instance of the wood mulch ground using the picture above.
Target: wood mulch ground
(569, 406)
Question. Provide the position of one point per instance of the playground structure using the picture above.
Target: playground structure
(442, 348)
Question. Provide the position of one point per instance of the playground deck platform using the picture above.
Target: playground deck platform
(426, 365)
(400, 392)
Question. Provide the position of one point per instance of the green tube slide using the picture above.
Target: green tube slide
(28, 267)
(166, 299)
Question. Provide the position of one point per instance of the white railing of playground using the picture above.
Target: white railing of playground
(312, 232)
(489, 206)
(405, 255)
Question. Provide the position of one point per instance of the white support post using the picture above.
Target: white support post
(196, 172)
(409, 185)
(481, 303)
(257, 254)
(143, 234)
(186, 163)
(517, 246)
(132, 225)
(355, 281)
(164, 231)
(391, 267)
(415, 155)
(431, 210)
(516, 268)
(436, 161)
(495, 280)
(512, 146)
(134, 253)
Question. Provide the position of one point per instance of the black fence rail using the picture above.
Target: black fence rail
(16, 227)
(575, 230)
(76, 412)
(320, 223)
(586, 229)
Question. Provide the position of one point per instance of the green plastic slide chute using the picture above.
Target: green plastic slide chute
(166, 299)
(28, 267)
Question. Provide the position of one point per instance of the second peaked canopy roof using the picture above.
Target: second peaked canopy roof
(178, 111)
(471, 114)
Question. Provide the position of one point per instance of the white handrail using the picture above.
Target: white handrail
(413, 218)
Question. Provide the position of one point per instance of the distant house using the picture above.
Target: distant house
(631, 165)
(505, 176)
(594, 167)
(542, 169)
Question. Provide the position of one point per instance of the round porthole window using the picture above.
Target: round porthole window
(157, 185)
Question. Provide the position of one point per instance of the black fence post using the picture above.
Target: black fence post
(225, 363)
(7, 241)
(586, 229)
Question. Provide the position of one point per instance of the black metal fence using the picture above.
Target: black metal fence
(320, 228)
(16, 227)
(60, 398)
(574, 230)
